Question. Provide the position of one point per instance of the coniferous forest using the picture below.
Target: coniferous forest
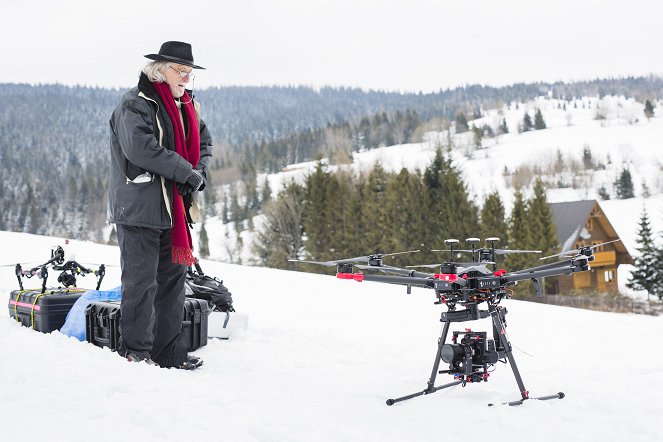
(341, 215)
(54, 143)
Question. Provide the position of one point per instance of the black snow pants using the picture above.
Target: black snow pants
(152, 296)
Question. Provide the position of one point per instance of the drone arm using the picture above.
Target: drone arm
(533, 273)
(19, 275)
(555, 265)
(400, 280)
(100, 275)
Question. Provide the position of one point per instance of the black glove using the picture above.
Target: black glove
(193, 183)
(204, 175)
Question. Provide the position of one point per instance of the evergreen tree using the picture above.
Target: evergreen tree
(236, 212)
(527, 123)
(538, 120)
(543, 232)
(461, 123)
(478, 135)
(203, 242)
(519, 233)
(350, 238)
(112, 239)
(265, 193)
(322, 213)
(406, 214)
(493, 219)
(587, 157)
(624, 185)
(649, 109)
(504, 129)
(603, 193)
(648, 270)
(281, 235)
(377, 238)
(224, 210)
(451, 212)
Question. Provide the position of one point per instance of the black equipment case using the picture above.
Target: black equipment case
(44, 312)
(102, 323)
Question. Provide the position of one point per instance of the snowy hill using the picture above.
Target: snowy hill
(622, 138)
(317, 362)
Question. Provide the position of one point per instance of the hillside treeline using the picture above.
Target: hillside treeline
(54, 138)
(336, 142)
(342, 215)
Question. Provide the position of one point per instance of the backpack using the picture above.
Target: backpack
(200, 286)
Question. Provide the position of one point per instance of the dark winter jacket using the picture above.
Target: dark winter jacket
(144, 163)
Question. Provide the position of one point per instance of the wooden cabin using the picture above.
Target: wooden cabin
(582, 223)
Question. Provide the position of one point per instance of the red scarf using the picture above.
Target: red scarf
(189, 149)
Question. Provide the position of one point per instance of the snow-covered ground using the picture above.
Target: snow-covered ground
(317, 362)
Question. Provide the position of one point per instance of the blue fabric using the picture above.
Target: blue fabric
(75, 323)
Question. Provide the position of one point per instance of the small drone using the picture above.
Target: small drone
(69, 270)
(463, 288)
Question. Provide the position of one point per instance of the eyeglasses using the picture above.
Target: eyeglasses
(183, 74)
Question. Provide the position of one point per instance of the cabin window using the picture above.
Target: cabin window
(590, 224)
(609, 276)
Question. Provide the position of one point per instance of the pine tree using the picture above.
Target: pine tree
(647, 266)
(603, 193)
(624, 185)
(461, 123)
(203, 242)
(478, 135)
(527, 123)
(451, 212)
(112, 239)
(543, 232)
(377, 237)
(587, 157)
(504, 129)
(519, 233)
(322, 213)
(649, 109)
(224, 210)
(281, 235)
(538, 120)
(406, 214)
(265, 193)
(493, 219)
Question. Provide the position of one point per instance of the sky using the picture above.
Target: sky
(317, 361)
(398, 45)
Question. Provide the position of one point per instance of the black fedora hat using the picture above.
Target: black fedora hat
(176, 51)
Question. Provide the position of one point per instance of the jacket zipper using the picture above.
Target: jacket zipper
(163, 180)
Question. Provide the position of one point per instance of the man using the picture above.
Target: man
(160, 149)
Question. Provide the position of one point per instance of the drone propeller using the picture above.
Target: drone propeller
(321, 263)
(98, 264)
(506, 251)
(394, 270)
(374, 260)
(576, 251)
(459, 264)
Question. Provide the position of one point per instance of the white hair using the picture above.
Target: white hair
(154, 71)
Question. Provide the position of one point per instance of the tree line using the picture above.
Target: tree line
(341, 215)
(54, 138)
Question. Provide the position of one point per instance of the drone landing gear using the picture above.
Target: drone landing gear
(468, 368)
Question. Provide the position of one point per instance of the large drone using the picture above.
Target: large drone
(463, 288)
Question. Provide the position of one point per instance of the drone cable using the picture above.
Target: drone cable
(523, 351)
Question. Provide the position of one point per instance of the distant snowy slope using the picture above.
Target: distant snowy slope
(317, 362)
(624, 137)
